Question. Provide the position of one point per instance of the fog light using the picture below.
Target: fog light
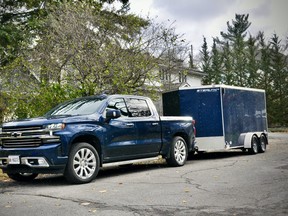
(42, 162)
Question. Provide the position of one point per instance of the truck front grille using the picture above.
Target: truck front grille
(21, 142)
(21, 129)
(26, 137)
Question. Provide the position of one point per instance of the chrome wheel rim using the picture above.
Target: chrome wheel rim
(180, 151)
(263, 144)
(84, 163)
(254, 145)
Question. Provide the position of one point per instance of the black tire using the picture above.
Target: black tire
(262, 143)
(178, 152)
(22, 177)
(83, 164)
(254, 145)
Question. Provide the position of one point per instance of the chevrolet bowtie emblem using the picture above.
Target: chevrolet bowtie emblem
(16, 134)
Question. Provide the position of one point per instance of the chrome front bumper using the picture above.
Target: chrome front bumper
(35, 162)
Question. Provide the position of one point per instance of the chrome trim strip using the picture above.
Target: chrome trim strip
(25, 161)
(130, 161)
(31, 136)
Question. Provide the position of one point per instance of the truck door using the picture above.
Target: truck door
(147, 125)
(121, 133)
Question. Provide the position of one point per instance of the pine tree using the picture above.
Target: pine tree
(279, 76)
(228, 65)
(205, 63)
(252, 62)
(216, 64)
(235, 37)
(264, 64)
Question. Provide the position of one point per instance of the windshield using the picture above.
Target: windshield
(82, 106)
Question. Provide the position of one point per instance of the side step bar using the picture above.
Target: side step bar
(130, 161)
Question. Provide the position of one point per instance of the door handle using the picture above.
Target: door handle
(154, 123)
(130, 124)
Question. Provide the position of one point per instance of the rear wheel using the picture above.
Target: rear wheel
(254, 145)
(262, 143)
(178, 152)
(83, 163)
(22, 177)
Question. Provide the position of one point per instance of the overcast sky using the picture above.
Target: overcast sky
(198, 18)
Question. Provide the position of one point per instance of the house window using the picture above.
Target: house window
(167, 76)
(182, 77)
(164, 75)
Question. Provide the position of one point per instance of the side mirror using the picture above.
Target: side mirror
(112, 114)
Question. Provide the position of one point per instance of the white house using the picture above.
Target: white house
(176, 78)
(180, 78)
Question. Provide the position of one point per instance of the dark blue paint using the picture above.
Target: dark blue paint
(205, 108)
(220, 111)
(203, 104)
(119, 139)
(244, 111)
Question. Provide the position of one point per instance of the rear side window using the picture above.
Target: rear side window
(137, 107)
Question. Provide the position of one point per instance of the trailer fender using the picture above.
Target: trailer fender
(245, 138)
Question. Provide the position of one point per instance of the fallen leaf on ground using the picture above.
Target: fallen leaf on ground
(85, 204)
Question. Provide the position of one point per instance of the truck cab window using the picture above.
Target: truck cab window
(118, 104)
(138, 107)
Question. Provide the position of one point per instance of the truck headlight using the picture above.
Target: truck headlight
(59, 126)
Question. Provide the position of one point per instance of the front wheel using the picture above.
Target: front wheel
(22, 177)
(178, 152)
(83, 163)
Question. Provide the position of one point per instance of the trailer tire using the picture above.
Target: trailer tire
(178, 152)
(254, 145)
(262, 143)
(83, 163)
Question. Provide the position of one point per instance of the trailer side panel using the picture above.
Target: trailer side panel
(205, 107)
(244, 111)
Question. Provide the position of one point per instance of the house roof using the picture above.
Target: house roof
(196, 72)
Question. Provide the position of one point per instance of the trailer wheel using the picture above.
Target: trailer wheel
(83, 163)
(178, 152)
(254, 145)
(262, 143)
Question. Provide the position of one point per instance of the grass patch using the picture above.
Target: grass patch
(3, 176)
(278, 130)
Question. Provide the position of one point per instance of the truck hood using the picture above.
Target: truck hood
(39, 121)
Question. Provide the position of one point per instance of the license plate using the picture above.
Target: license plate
(13, 159)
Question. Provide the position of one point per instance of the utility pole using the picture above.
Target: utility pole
(191, 57)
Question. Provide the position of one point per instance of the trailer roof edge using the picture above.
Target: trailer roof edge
(222, 86)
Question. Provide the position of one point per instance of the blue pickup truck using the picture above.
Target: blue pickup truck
(78, 137)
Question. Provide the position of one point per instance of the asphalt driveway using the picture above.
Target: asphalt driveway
(217, 183)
